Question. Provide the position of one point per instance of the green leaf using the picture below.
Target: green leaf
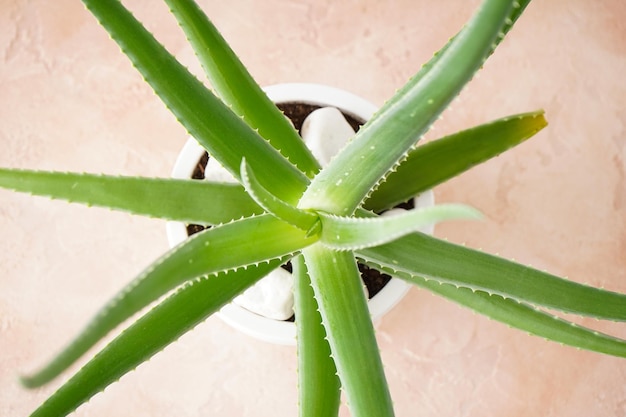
(514, 13)
(425, 256)
(435, 162)
(317, 375)
(164, 324)
(524, 317)
(304, 220)
(234, 245)
(189, 201)
(339, 292)
(387, 137)
(236, 86)
(351, 233)
(221, 132)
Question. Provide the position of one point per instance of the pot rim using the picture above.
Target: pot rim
(263, 328)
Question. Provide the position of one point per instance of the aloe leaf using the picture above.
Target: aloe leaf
(236, 86)
(386, 138)
(165, 323)
(435, 162)
(221, 132)
(201, 202)
(302, 219)
(351, 233)
(532, 320)
(234, 245)
(319, 385)
(421, 255)
(514, 13)
(524, 317)
(339, 293)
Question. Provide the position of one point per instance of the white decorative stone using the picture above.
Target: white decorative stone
(271, 297)
(325, 131)
(393, 212)
(215, 172)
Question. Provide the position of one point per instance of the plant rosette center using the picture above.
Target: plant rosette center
(326, 119)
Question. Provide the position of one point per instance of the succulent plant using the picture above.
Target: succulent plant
(322, 220)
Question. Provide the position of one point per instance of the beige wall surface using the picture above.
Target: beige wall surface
(70, 101)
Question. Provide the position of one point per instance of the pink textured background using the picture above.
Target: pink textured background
(70, 101)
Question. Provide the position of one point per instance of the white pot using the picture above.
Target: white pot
(283, 332)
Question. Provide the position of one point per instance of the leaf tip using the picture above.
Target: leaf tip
(30, 381)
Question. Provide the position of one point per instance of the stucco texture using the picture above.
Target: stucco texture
(69, 100)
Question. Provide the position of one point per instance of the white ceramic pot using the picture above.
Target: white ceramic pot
(284, 332)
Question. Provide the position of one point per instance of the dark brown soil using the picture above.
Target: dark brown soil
(297, 112)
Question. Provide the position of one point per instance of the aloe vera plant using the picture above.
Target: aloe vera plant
(323, 220)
